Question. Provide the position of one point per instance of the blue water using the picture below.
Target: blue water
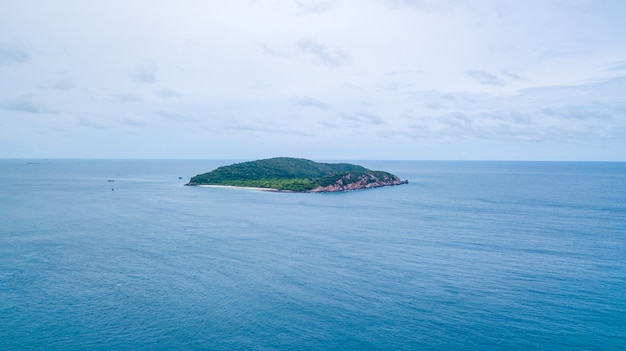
(467, 256)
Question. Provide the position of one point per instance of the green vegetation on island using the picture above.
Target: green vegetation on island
(297, 175)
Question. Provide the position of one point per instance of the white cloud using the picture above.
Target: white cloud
(90, 123)
(396, 72)
(126, 98)
(168, 93)
(145, 73)
(176, 117)
(26, 103)
(618, 66)
(312, 6)
(486, 78)
(133, 120)
(12, 53)
(362, 118)
(63, 83)
(306, 101)
(321, 55)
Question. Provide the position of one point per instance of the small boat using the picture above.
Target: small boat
(111, 180)
(180, 177)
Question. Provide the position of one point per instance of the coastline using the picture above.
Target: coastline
(241, 187)
(288, 174)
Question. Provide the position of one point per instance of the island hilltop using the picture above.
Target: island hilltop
(297, 175)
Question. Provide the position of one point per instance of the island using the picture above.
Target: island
(296, 175)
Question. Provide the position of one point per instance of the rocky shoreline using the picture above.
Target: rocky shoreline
(366, 181)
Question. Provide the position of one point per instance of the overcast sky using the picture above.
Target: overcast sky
(344, 80)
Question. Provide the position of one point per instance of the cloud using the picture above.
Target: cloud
(133, 120)
(299, 65)
(485, 78)
(438, 6)
(63, 83)
(253, 128)
(89, 123)
(563, 50)
(168, 93)
(306, 101)
(618, 66)
(10, 53)
(433, 105)
(462, 125)
(127, 98)
(175, 117)
(312, 6)
(599, 113)
(513, 76)
(396, 86)
(321, 55)
(270, 52)
(458, 121)
(26, 104)
(288, 131)
(581, 114)
(145, 73)
(579, 123)
(362, 118)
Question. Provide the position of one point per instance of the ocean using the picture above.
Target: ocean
(118, 254)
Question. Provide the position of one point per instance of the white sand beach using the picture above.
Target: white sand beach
(241, 187)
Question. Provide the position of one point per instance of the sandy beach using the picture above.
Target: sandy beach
(243, 188)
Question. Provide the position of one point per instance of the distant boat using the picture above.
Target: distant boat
(180, 177)
(111, 180)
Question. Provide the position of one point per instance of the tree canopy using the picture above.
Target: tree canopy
(290, 174)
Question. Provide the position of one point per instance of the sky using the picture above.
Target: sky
(324, 80)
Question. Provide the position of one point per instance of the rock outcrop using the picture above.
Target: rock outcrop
(365, 181)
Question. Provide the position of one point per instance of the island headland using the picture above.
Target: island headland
(296, 175)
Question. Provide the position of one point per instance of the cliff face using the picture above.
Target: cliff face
(364, 181)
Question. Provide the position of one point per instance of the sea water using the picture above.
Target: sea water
(118, 254)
